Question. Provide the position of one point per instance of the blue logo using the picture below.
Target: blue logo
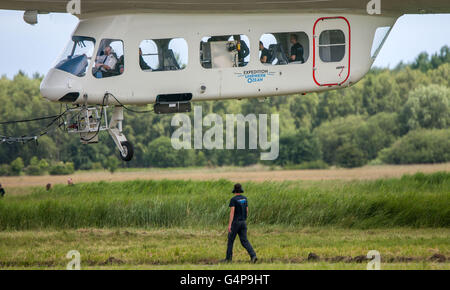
(255, 76)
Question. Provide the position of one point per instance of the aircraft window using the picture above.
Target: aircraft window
(284, 48)
(163, 54)
(381, 35)
(225, 51)
(110, 59)
(77, 55)
(332, 45)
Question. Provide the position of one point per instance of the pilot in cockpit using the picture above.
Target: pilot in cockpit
(105, 63)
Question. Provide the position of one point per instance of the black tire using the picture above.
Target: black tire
(129, 151)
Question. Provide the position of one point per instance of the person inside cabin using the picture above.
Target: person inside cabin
(142, 63)
(121, 64)
(243, 50)
(296, 50)
(265, 53)
(105, 63)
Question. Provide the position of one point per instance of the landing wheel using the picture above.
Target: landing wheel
(128, 151)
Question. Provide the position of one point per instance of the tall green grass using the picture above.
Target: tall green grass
(411, 201)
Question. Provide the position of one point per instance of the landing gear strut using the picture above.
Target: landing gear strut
(115, 130)
(87, 121)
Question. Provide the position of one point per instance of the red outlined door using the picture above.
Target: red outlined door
(331, 51)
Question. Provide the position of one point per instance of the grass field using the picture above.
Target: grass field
(176, 224)
(200, 248)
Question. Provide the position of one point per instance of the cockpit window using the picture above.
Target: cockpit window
(77, 55)
(110, 59)
(163, 54)
(225, 51)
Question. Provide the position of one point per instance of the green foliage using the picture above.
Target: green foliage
(420, 146)
(36, 167)
(412, 201)
(304, 110)
(161, 154)
(381, 93)
(201, 159)
(34, 170)
(349, 155)
(377, 133)
(5, 170)
(97, 166)
(112, 163)
(427, 107)
(298, 148)
(334, 134)
(62, 168)
(34, 161)
(425, 63)
(376, 162)
(17, 166)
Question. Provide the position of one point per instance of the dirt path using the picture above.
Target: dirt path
(235, 174)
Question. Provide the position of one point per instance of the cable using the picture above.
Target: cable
(46, 130)
(128, 109)
(36, 134)
(28, 120)
(105, 97)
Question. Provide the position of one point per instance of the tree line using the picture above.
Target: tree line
(397, 116)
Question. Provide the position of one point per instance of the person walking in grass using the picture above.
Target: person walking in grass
(2, 191)
(237, 224)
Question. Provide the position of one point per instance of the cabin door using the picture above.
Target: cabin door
(332, 48)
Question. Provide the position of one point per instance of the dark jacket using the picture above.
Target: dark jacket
(143, 64)
(297, 50)
(243, 52)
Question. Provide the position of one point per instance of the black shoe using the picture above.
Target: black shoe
(225, 261)
(254, 260)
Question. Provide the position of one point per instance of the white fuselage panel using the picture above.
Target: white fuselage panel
(136, 86)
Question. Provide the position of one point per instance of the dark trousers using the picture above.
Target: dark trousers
(239, 228)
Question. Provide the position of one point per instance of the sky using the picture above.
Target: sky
(36, 48)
